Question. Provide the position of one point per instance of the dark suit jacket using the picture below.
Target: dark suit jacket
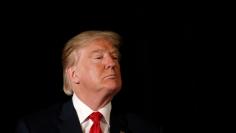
(62, 118)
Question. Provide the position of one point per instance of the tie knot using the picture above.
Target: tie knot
(95, 116)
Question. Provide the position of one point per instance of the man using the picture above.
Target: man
(92, 76)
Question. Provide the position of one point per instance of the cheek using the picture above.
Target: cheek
(94, 71)
(118, 70)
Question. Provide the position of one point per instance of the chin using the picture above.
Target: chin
(113, 87)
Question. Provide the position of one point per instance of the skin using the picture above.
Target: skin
(96, 76)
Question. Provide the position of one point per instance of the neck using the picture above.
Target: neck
(95, 101)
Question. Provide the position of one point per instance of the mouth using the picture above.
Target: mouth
(111, 76)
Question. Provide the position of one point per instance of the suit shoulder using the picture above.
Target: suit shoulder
(43, 121)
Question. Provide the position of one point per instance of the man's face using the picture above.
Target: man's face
(98, 68)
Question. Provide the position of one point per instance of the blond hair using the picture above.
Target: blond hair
(76, 43)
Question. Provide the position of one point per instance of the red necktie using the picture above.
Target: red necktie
(95, 117)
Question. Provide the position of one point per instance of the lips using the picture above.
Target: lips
(110, 76)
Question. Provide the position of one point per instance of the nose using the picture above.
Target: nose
(110, 62)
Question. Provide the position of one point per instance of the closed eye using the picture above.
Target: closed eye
(99, 57)
(115, 57)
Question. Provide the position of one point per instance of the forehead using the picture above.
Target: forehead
(99, 45)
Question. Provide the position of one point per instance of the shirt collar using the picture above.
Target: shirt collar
(83, 111)
(106, 111)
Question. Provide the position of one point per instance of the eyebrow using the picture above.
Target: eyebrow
(97, 51)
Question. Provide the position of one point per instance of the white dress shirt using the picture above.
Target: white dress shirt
(83, 111)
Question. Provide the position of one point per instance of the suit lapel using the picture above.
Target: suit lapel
(69, 122)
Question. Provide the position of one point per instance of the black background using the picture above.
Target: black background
(160, 68)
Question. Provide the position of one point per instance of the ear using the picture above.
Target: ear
(72, 73)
